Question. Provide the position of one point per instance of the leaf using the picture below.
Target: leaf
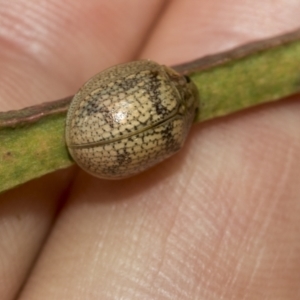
(32, 139)
(246, 76)
(32, 143)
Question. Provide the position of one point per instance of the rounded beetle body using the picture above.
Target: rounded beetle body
(128, 118)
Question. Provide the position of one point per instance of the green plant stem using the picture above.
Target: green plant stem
(32, 139)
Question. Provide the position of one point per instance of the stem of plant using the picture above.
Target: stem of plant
(32, 139)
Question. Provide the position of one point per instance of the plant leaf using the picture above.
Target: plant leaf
(32, 139)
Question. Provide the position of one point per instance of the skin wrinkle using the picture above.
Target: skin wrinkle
(155, 269)
(139, 226)
(186, 261)
(257, 205)
(98, 254)
(238, 270)
(180, 224)
(272, 265)
(88, 282)
(266, 223)
(207, 180)
(179, 244)
(163, 259)
(215, 257)
(253, 273)
(276, 196)
(245, 221)
(209, 214)
(180, 279)
(128, 284)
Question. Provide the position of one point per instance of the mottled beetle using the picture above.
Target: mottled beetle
(129, 117)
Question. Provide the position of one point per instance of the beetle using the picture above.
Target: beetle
(130, 117)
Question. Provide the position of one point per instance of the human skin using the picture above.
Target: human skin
(219, 220)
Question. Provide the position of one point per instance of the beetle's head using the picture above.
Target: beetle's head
(187, 90)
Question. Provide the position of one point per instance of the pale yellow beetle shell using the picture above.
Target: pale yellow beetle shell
(128, 118)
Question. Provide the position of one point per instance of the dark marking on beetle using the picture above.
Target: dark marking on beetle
(153, 88)
(171, 143)
(124, 158)
(187, 78)
(107, 114)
